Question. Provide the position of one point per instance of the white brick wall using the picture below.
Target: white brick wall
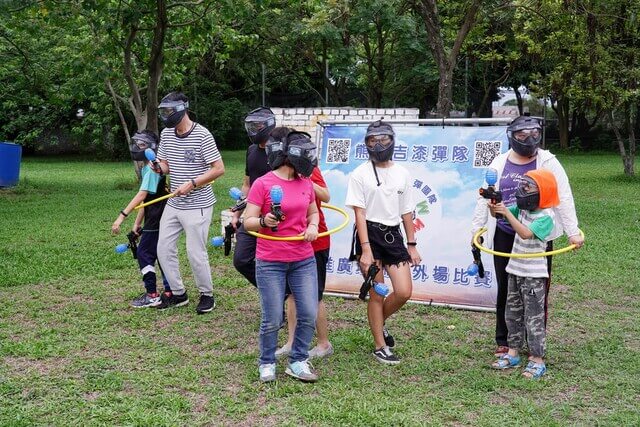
(306, 119)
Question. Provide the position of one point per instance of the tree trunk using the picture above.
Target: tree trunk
(446, 62)
(136, 165)
(628, 157)
(516, 91)
(562, 111)
(156, 65)
(445, 92)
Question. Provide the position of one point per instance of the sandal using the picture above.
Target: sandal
(534, 370)
(501, 351)
(506, 361)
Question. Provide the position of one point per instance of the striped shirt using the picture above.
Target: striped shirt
(540, 222)
(189, 156)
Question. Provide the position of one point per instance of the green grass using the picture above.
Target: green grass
(72, 352)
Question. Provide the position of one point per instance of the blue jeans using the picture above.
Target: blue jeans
(272, 278)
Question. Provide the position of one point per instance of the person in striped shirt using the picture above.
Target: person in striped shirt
(188, 153)
(532, 218)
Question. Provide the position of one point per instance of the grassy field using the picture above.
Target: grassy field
(72, 351)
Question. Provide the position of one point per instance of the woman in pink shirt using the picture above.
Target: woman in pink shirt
(291, 262)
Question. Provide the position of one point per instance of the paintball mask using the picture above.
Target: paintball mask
(528, 194)
(172, 112)
(140, 141)
(380, 141)
(302, 154)
(275, 153)
(537, 190)
(525, 135)
(259, 123)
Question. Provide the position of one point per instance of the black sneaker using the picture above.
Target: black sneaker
(388, 338)
(168, 300)
(206, 304)
(384, 355)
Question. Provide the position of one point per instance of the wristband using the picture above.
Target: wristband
(124, 214)
(193, 182)
(364, 243)
(262, 223)
(316, 225)
(412, 243)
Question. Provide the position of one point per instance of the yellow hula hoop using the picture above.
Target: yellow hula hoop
(166, 196)
(143, 205)
(324, 233)
(478, 245)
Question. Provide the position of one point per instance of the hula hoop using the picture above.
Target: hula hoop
(166, 196)
(478, 245)
(324, 233)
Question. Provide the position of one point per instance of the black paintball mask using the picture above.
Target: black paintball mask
(140, 141)
(528, 194)
(302, 154)
(275, 153)
(172, 112)
(525, 135)
(380, 141)
(259, 123)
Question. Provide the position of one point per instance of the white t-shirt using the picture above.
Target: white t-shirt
(385, 203)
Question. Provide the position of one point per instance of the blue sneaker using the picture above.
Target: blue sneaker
(302, 371)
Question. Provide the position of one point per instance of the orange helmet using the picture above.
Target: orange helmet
(547, 187)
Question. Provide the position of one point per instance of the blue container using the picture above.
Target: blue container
(10, 156)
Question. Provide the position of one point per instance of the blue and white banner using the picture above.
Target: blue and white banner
(447, 165)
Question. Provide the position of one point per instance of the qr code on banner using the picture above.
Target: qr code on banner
(485, 152)
(338, 150)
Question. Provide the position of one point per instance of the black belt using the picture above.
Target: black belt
(383, 227)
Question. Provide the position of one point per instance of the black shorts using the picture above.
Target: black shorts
(387, 244)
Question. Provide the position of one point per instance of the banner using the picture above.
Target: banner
(447, 164)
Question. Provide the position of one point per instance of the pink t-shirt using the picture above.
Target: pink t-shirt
(297, 195)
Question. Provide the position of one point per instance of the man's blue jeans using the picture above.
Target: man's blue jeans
(272, 278)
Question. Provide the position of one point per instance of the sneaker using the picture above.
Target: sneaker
(384, 355)
(206, 304)
(302, 371)
(146, 300)
(316, 352)
(267, 372)
(283, 351)
(388, 338)
(172, 300)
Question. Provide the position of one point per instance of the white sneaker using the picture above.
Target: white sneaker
(283, 351)
(316, 352)
(267, 372)
(302, 371)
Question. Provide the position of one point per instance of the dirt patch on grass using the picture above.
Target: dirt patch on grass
(23, 366)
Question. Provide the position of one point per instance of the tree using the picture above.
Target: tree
(446, 58)
(618, 40)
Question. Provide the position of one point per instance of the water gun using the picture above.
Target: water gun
(133, 245)
(379, 288)
(276, 209)
(490, 193)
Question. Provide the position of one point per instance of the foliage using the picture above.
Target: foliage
(115, 58)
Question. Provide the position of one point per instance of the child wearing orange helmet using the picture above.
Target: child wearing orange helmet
(532, 218)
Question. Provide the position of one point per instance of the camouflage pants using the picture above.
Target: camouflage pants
(524, 313)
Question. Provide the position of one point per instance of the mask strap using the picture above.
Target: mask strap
(375, 172)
